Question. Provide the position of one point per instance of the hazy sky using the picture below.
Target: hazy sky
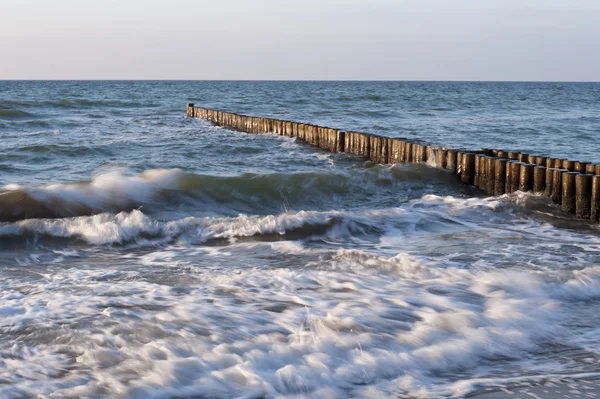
(301, 39)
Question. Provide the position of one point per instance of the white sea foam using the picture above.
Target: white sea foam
(352, 324)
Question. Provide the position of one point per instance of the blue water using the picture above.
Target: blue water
(145, 254)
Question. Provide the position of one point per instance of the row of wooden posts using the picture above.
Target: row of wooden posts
(572, 184)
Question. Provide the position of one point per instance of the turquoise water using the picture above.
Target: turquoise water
(144, 254)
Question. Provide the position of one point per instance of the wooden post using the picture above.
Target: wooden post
(408, 152)
(569, 165)
(500, 176)
(526, 177)
(468, 168)
(580, 166)
(557, 185)
(190, 110)
(490, 172)
(502, 154)
(595, 205)
(590, 168)
(512, 155)
(540, 161)
(523, 158)
(549, 179)
(477, 170)
(515, 176)
(568, 192)
(451, 160)
(441, 158)
(341, 141)
(539, 179)
(583, 195)
(532, 159)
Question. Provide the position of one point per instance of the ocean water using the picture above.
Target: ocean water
(146, 255)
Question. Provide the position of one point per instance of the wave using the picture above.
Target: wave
(430, 214)
(14, 114)
(159, 189)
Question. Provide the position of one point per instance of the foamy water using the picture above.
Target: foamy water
(143, 255)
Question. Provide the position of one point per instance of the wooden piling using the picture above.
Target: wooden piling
(583, 195)
(540, 161)
(490, 172)
(451, 160)
(557, 185)
(468, 168)
(568, 191)
(441, 158)
(595, 200)
(500, 176)
(526, 177)
(512, 155)
(590, 168)
(580, 167)
(515, 176)
(478, 170)
(539, 179)
(549, 179)
(524, 158)
(569, 165)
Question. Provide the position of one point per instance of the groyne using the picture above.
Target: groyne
(575, 185)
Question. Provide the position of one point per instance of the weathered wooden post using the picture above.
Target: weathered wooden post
(451, 160)
(526, 177)
(441, 158)
(580, 167)
(523, 158)
(500, 176)
(557, 185)
(341, 141)
(595, 203)
(569, 165)
(549, 180)
(512, 155)
(490, 172)
(190, 110)
(568, 192)
(478, 170)
(590, 168)
(583, 195)
(515, 176)
(468, 168)
(539, 179)
(540, 161)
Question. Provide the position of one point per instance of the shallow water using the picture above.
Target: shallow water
(143, 254)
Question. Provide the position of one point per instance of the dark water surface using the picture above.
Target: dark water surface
(146, 255)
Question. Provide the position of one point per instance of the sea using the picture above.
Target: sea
(144, 254)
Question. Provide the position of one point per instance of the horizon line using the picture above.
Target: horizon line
(300, 80)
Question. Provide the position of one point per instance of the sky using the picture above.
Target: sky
(514, 40)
